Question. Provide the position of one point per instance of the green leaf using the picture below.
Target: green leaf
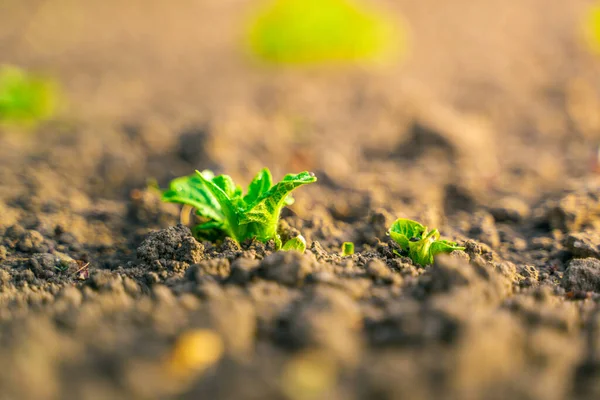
(227, 212)
(277, 240)
(227, 207)
(403, 230)
(264, 214)
(422, 245)
(444, 246)
(191, 190)
(261, 183)
(419, 252)
(297, 244)
(347, 248)
(210, 225)
(225, 183)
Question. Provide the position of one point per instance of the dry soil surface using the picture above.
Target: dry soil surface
(488, 130)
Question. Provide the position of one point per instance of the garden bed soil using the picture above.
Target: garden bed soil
(105, 295)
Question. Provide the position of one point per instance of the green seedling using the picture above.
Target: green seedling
(24, 98)
(591, 27)
(227, 211)
(418, 242)
(321, 31)
(347, 248)
(297, 244)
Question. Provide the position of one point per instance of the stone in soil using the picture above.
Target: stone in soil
(583, 245)
(582, 274)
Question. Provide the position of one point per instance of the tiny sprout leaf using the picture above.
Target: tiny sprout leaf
(422, 245)
(223, 200)
(261, 183)
(403, 230)
(226, 184)
(227, 211)
(192, 191)
(298, 244)
(444, 246)
(264, 214)
(347, 248)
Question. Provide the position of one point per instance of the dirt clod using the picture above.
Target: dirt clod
(575, 210)
(174, 243)
(243, 269)
(583, 245)
(510, 209)
(287, 267)
(104, 280)
(32, 242)
(44, 265)
(379, 271)
(484, 230)
(326, 318)
(582, 275)
(217, 268)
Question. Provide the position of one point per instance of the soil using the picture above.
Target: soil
(488, 131)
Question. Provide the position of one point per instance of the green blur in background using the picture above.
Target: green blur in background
(323, 31)
(25, 99)
(592, 28)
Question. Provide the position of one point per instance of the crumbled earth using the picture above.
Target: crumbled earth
(106, 294)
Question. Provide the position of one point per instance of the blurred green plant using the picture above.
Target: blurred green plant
(297, 244)
(591, 28)
(25, 99)
(420, 244)
(347, 248)
(227, 211)
(322, 31)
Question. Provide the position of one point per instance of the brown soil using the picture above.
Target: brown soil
(489, 131)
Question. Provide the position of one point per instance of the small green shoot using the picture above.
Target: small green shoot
(227, 211)
(321, 31)
(418, 242)
(347, 249)
(24, 98)
(297, 244)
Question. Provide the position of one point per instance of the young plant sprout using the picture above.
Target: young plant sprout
(297, 244)
(347, 249)
(321, 31)
(227, 211)
(25, 98)
(418, 242)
